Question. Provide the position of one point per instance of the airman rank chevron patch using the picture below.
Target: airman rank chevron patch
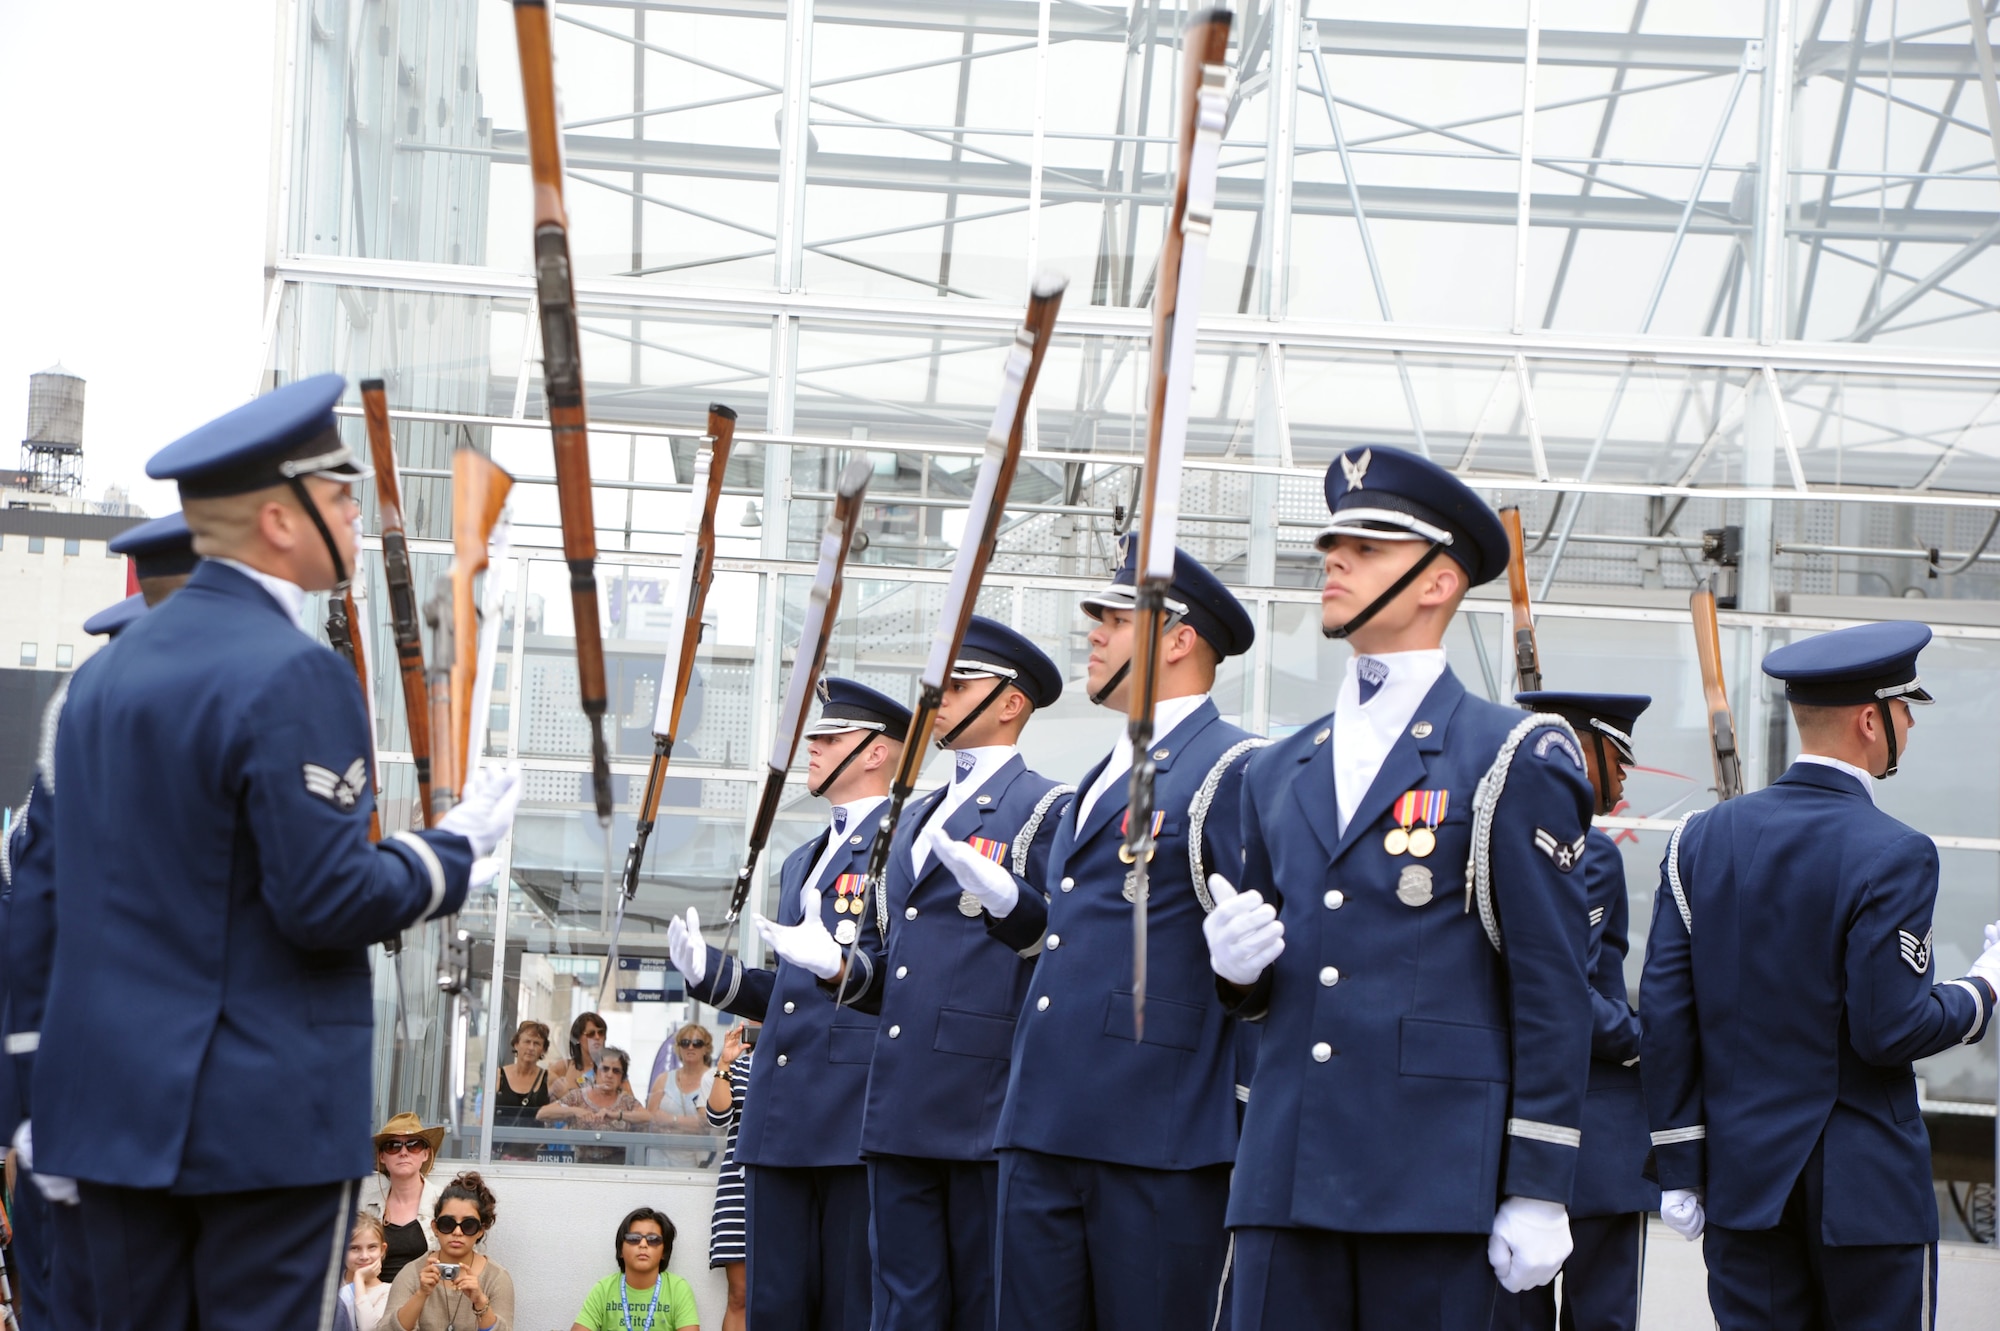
(1565, 855)
(1916, 951)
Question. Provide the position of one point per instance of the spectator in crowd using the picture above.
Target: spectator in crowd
(401, 1193)
(679, 1093)
(457, 1287)
(643, 1245)
(365, 1295)
(522, 1090)
(726, 1245)
(606, 1104)
(586, 1041)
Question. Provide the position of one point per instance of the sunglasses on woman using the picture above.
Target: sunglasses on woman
(467, 1225)
(692, 1044)
(397, 1147)
(650, 1240)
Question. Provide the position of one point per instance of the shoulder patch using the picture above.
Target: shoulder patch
(1916, 952)
(1565, 855)
(1596, 916)
(342, 791)
(1555, 741)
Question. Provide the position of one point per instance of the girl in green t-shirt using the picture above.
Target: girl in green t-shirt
(644, 1295)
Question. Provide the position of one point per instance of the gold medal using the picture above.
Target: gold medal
(1422, 842)
(1397, 842)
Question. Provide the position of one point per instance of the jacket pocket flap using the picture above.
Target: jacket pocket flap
(1453, 1049)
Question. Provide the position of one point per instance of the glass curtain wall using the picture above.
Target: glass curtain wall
(1707, 289)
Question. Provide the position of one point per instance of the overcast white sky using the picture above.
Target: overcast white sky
(135, 156)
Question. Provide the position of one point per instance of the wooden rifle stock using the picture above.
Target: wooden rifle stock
(562, 376)
(343, 627)
(479, 491)
(1721, 724)
(402, 586)
(1527, 659)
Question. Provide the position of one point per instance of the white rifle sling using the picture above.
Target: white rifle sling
(1485, 805)
(1198, 814)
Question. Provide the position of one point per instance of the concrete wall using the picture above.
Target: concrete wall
(555, 1228)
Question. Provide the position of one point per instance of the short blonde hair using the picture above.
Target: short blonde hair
(221, 526)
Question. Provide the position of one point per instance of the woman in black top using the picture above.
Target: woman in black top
(522, 1088)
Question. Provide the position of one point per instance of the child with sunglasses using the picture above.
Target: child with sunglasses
(457, 1287)
(643, 1295)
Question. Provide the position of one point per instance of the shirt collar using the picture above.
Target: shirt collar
(857, 811)
(1866, 779)
(984, 762)
(291, 597)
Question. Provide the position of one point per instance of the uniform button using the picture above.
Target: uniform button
(1335, 899)
(1055, 941)
(788, 1007)
(1321, 1052)
(1042, 1003)
(1068, 884)
(895, 1031)
(909, 912)
(1329, 976)
(783, 1059)
(901, 971)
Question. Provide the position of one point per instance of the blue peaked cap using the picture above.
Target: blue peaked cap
(116, 618)
(991, 648)
(1392, 495)
(1196, 595)
(846, 705)
(1866, 663)
(158, 549)
(1612, 715)
(286, 433)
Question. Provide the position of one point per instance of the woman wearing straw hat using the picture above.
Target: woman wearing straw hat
(401, 1193)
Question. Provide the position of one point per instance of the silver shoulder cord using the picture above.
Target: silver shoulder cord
(1024, 840)
(1198, 814)
(1674, 871)
(1485, 805)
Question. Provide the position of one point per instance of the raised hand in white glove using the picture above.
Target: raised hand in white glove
(483, 872)
(485, 810)
(990, 882)
(685, 948)
(806, 943)
(1681, 1209)
(1244, 934)
(60, 1190)
(1987, 967)
(1529, 1243)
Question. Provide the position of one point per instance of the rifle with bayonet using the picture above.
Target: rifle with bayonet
(1721, 724)
(402, 587)
(821, 607)
(983, 515)
(562, 383)
(689, 597)
(1527, 659)
(1176, 310)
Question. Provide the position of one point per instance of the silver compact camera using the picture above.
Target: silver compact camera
(447, 1271)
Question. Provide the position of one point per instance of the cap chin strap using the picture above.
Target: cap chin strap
(1000, 683)
(867, 737)
(1098, 696)
(1396, 588)
(1603, 774)
(1888, 733)
(340, 578)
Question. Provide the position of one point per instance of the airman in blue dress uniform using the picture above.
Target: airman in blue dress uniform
(1607, 1212)
(1410, 931)
(217, 898)
(1787, 990)
(1114, 1153)
(799, 1142)
(948, 992)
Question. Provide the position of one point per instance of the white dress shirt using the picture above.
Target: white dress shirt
(1168, 713)
(1363, 733)
(971, 769)
(844, 822)
(291, 597)
(1866, 779)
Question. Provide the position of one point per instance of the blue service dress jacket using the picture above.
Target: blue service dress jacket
(948, 992)
(803, 1108)
(1079, 1084)
(218, 893)
(1611, 1165)
(1412, 1073)
(30, 936)
(1787, 990)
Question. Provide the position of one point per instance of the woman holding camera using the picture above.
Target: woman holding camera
(457, 1287)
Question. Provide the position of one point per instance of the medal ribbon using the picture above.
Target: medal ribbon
(658, 1280)
(1435, 803)
(991, 849)
(1125, 822)
(1406, 806)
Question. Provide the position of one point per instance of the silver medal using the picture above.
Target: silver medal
(968, 905)
(1413, 885)
(844, 932)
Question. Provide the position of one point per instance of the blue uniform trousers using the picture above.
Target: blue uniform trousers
(34, 1251)
(73, 1295)
(224, 1261)
(1600, 1281)
(1324, 1280)
(933, 1242)
(1085, 1245)
(807, 1232)
(1788, 1279)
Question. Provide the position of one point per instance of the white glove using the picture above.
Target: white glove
(806, 944)
(485, 810)
(992, 884)
(1529, 1243)
(484, 871)
(685, 948)
(1681, 1209)
(1987, 967)
(60, 1190)
(1244, 934)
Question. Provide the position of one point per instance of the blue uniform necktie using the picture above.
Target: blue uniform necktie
(839, 821)
(1373, 673)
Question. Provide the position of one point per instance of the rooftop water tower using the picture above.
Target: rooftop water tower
(52, 452)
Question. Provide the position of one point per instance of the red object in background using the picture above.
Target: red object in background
(131, 578)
